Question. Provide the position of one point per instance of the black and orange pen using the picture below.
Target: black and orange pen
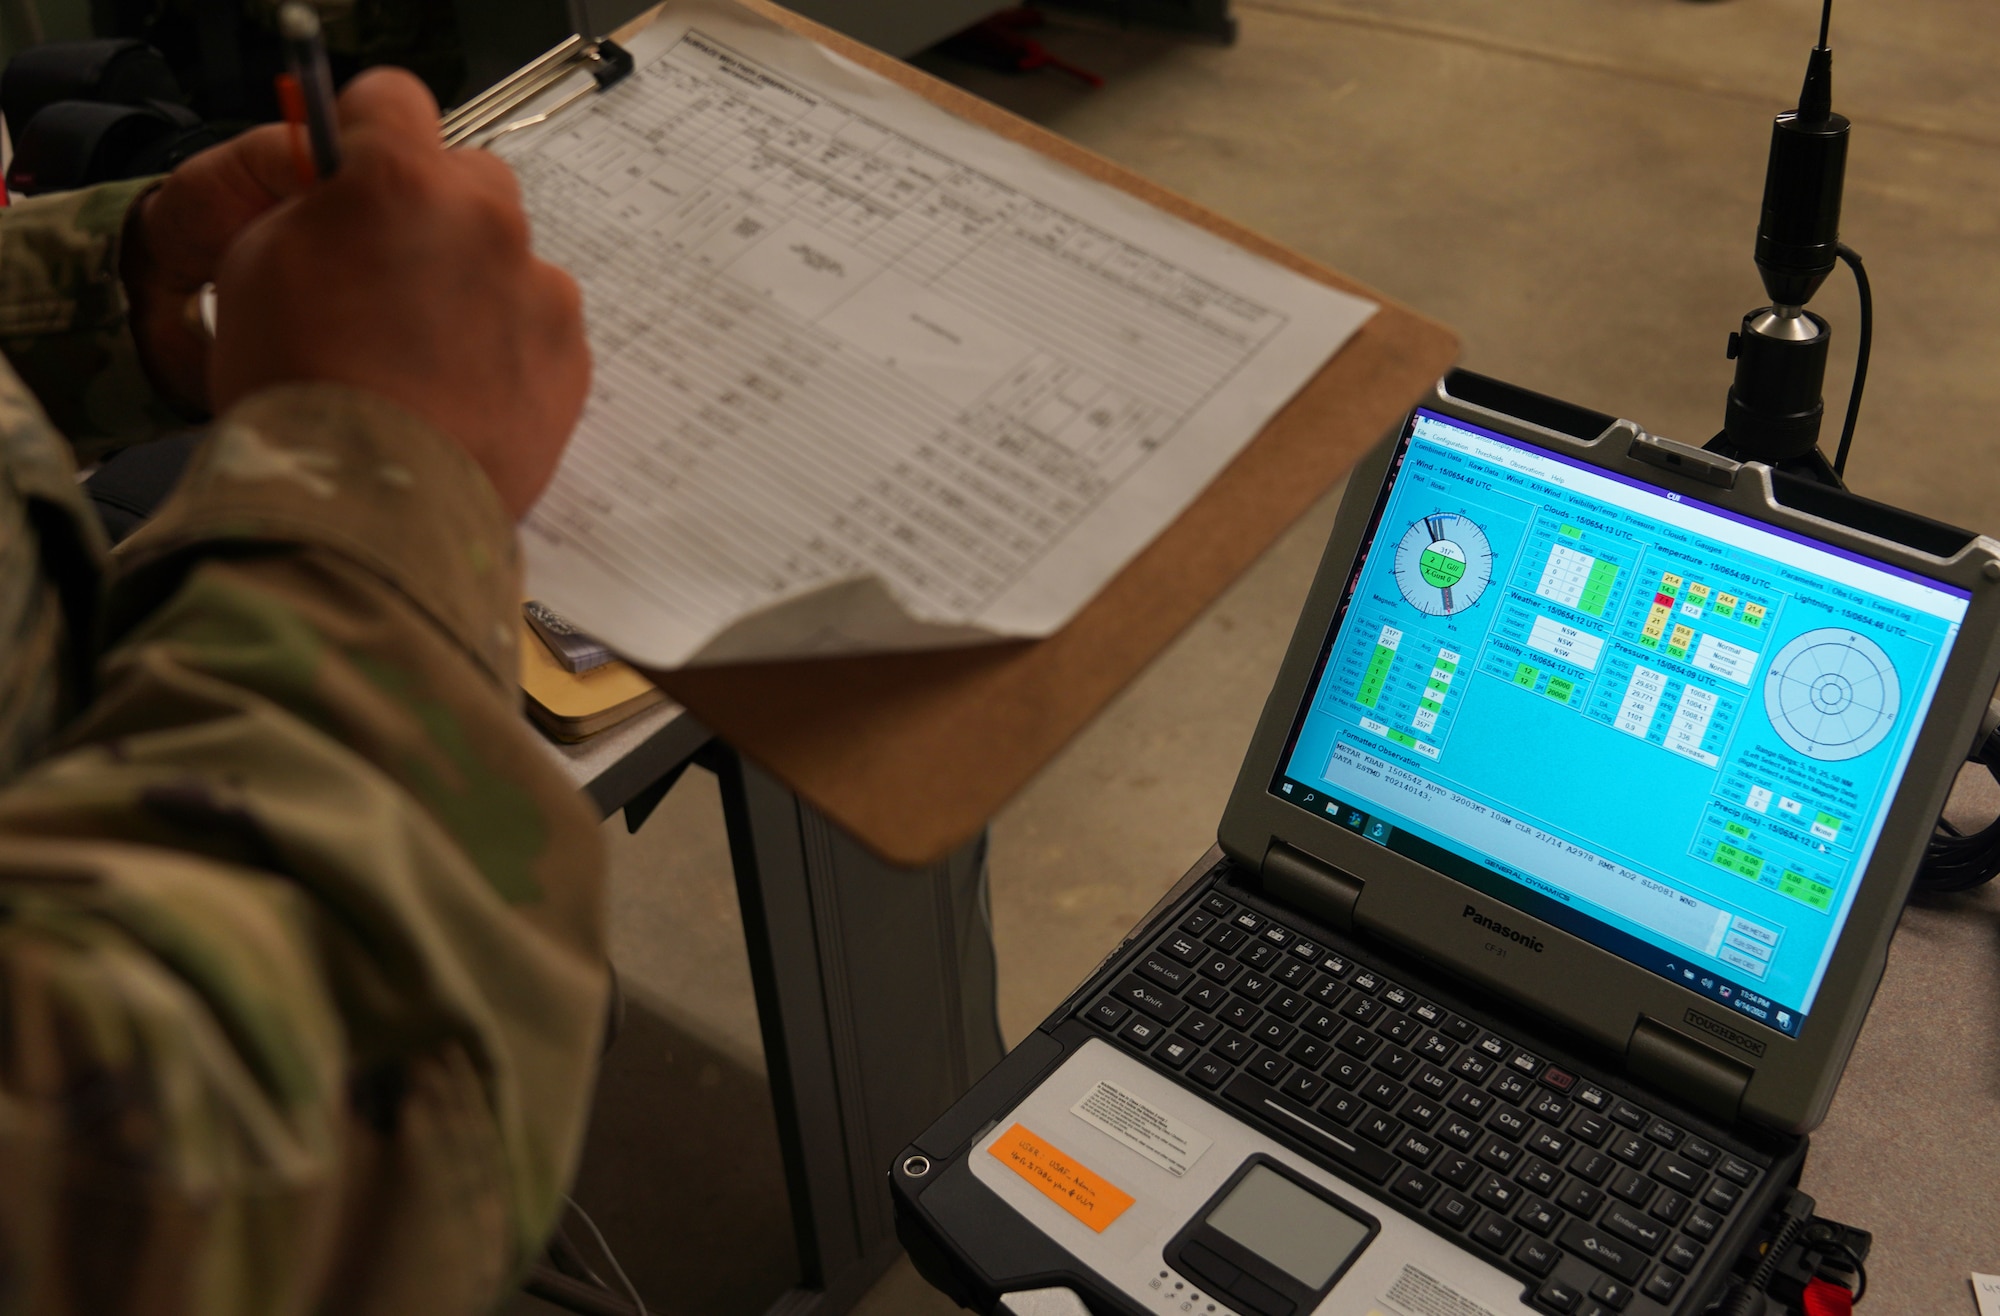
(305, 92)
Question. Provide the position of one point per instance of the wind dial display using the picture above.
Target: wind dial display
(1443, 564)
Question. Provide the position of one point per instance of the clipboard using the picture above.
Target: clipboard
(913, 753)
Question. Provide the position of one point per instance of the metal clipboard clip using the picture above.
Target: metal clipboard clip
(484, 117)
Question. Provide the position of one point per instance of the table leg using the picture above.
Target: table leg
(876, 993)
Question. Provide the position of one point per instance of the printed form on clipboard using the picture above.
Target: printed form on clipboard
(869, 377)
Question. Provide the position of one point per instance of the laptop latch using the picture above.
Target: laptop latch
(1679, 1065)
(1311, 886)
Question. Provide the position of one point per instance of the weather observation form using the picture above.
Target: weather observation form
(1666, 728)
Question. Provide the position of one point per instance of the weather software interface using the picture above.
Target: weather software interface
(1668, 729)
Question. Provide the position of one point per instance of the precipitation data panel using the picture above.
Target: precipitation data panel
(1669, 729)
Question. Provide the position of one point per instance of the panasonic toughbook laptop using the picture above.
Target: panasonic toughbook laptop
(1547, 906)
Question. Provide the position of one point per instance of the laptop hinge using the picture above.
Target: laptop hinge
(1311, 886)
(1670, 1060)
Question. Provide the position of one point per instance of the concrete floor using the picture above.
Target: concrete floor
(1573, 185)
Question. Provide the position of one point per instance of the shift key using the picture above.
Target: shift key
(1151, 999)
(1612, 1254)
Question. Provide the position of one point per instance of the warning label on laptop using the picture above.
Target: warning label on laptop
(1084, 1194)
(1154, 1134)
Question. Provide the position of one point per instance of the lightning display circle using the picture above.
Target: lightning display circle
(1444, 562)
(1832, 694)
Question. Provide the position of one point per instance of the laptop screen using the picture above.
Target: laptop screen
(1668, 729)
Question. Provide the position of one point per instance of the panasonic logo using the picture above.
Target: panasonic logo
(1716, 1028)
(1502, 930)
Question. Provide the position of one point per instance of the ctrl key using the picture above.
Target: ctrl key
(1107, 1013)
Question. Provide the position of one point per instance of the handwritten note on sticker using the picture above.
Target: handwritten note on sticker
(1986, 1288)
(1069, 1185)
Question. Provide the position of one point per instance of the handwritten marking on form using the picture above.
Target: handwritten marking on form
(869, 377)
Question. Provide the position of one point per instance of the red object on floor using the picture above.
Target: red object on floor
(1826, 1299)
(1001, 42)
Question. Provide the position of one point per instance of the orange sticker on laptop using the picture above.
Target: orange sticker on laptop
(1085, 1195)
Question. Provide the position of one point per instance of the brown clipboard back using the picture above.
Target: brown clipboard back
(913, 753)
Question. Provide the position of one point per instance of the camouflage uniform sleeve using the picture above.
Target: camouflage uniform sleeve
(64, 318)
(301, 957)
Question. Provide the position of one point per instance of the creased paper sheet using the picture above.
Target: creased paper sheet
(869, 377)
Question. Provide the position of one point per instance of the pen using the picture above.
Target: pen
(305, 57)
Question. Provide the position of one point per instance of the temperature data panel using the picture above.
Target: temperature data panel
(1671, 729)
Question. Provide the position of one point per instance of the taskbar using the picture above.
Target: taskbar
(1512, 890)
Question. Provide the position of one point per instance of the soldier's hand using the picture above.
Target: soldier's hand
(175, 241)
(408, 274)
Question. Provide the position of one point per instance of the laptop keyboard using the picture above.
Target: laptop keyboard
(1527, 1162)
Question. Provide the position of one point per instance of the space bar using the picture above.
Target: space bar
(1310, 1127)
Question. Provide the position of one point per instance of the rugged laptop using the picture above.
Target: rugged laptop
(1547, 905)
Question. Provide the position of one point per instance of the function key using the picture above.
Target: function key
(1367, 981)
(1593, 1096)
(1523, 1063)
(1277, 936)
(1224, 936)
(1185, 949)
(1429, 1013)
(1248, 921)
(1701, 1153)
(1628, 1114)
(1459, 1030)
(1739, 1170)
(1217, 904)
(1306, 950)
(1198, 922)
(1663, 1133)
(1336, 965)
(1398, 995)
(1142, 1032)
(1106, 1013)
(1559, 1079)
(1493, 1048)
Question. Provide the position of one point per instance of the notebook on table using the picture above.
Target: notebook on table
(1546, 909)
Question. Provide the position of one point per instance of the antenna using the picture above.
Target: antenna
(1775, 404)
